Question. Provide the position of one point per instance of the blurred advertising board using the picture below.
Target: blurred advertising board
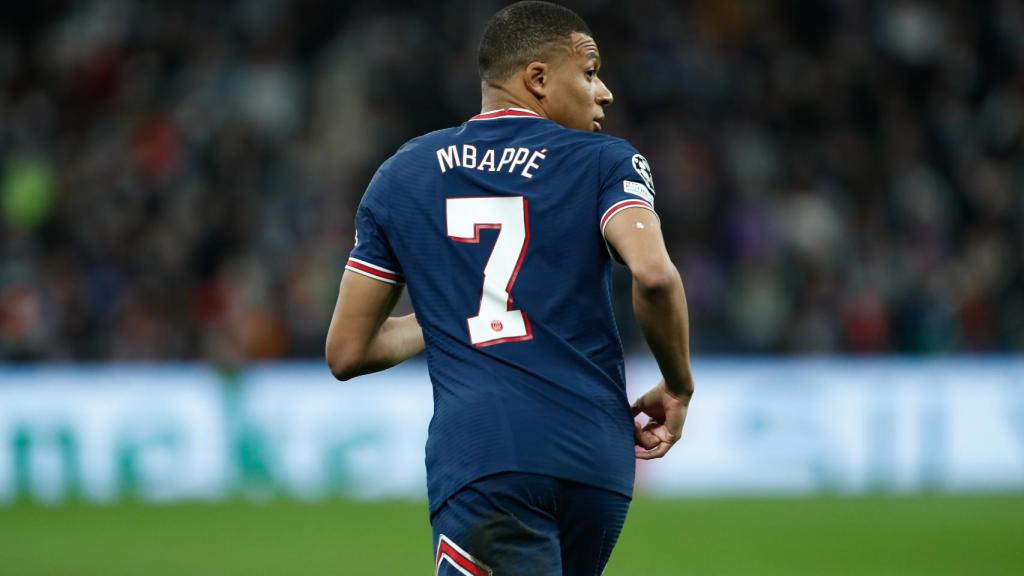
(757, 427)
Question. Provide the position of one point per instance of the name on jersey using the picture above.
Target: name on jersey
(511, 160)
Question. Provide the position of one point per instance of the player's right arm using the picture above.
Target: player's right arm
(362, 338)
(659, 303)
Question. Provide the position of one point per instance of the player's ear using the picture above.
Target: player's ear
(536, 79)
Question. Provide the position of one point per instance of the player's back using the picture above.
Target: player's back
(496, 227)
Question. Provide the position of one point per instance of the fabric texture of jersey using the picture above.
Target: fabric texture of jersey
(525, 359)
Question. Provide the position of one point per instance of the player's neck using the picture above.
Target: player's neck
(498, 98)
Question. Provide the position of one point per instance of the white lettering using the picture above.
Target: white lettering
(506, 157)
(533, 163)
(519, 159)
(468, 159)
(448, 158)
(487, 161)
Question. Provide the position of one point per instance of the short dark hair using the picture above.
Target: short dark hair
(522, 33)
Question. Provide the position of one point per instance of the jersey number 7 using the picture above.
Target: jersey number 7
(496, 321)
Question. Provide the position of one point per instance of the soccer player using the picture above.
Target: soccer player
(504, 230)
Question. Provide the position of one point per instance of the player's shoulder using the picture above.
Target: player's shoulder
(617, 159)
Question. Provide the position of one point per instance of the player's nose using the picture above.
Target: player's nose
(604, 96)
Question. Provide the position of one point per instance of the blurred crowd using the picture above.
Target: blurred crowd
(178, 179)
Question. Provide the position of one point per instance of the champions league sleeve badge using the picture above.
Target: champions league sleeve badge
(644, 170)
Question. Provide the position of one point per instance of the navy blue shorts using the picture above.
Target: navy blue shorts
(527, 525)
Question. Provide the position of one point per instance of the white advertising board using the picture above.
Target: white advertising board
(756, 427)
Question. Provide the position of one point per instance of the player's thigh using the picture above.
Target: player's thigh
(499, 525)
(590, 521)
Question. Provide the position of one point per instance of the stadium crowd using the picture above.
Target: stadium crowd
(178, 180)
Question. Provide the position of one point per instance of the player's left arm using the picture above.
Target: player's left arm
(362, 338)
(633, 233)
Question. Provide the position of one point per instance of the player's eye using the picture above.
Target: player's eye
(591, 73)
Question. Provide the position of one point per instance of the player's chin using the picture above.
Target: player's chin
(595, 126)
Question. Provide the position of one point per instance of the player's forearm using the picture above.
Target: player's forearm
(399, 338)
(661, 312)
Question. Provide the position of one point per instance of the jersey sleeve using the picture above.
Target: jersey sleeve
(372, 255)
(626, 182)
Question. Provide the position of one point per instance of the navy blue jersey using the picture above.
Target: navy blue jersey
(496, 227)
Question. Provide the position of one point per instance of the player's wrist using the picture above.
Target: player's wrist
(681, 392)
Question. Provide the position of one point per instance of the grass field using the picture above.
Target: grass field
(873, 536)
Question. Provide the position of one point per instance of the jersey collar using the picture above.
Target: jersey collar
(506, 113)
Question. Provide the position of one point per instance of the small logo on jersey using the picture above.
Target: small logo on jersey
(638, 189)
(644, 170)
(497, 326)
(356, 243)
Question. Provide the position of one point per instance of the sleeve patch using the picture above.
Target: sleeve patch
(637, 189)
(644, 170)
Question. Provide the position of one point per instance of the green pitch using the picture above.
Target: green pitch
(874, 536)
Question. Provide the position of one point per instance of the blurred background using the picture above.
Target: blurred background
(841, 184)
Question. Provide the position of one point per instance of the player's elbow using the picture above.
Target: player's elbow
(342, 369)
(343, 360)
(657, 277)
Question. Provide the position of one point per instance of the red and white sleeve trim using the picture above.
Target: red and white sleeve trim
(373, 271)
(619, 207)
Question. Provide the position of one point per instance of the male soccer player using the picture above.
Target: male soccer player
(504, 229)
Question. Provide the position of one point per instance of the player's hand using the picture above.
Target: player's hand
(667, 413)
